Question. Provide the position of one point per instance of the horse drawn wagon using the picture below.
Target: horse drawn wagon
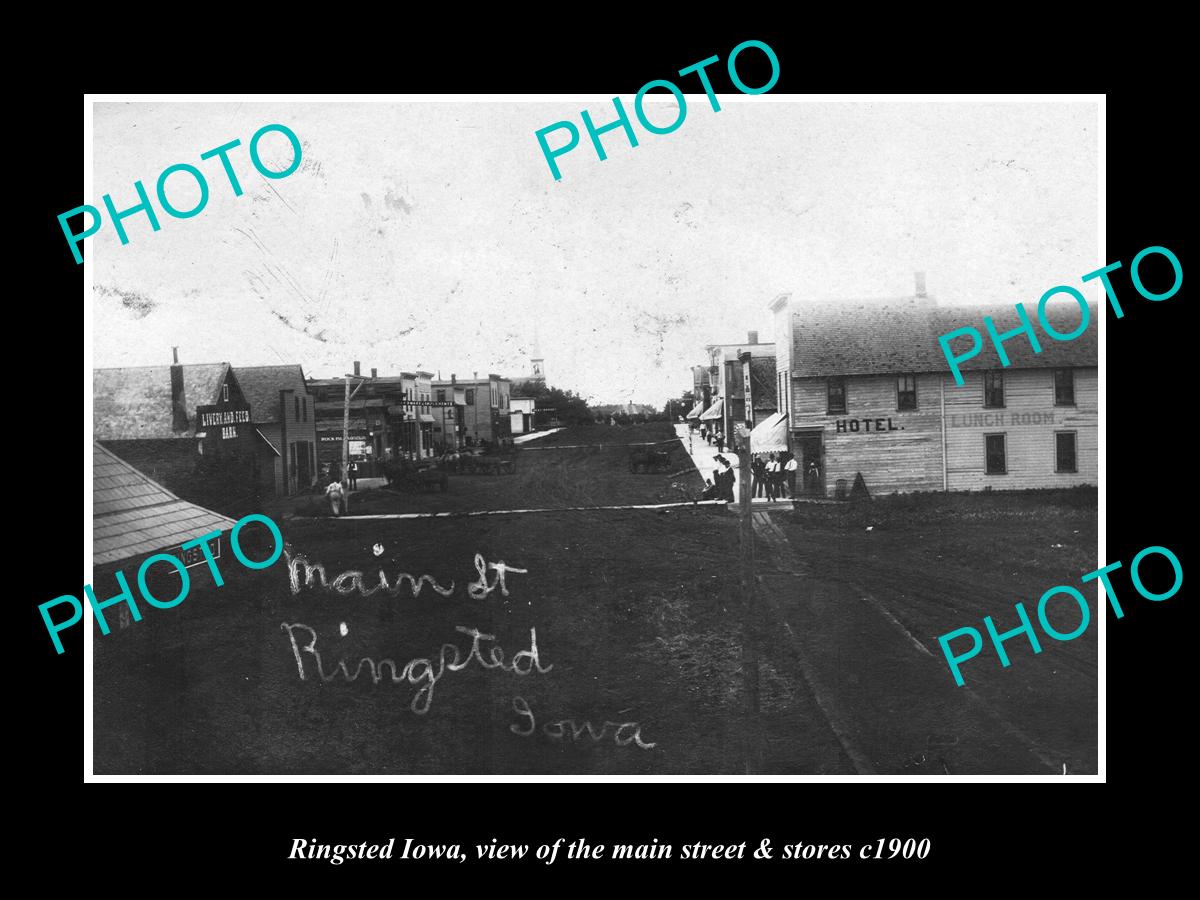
(648, 460)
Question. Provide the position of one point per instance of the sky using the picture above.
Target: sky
(433, 235)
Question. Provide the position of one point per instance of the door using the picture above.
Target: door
(303, 470)
(810, 451)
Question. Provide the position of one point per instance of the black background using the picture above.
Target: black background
(987, 830)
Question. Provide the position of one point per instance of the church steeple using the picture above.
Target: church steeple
(538, 361)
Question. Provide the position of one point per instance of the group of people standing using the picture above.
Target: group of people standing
(714, 436)
(774, 475)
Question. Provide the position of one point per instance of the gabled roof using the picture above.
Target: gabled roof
(898, 335)
(135, 402)
(1063, 316)
(133, 515)
(261, 386)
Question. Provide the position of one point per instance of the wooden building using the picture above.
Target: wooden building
(154, 418)
(726, 380)
(486, 410)
(869, 392)
(283, 415)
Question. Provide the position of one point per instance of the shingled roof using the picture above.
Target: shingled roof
(861, 337)
(261, 386)
(135, 403)
(133, 515)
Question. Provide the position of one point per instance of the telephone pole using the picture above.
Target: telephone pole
(346, 437)
(749, 616)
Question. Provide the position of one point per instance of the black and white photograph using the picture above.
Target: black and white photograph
(528, 436)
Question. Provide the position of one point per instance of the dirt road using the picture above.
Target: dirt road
(618, 646)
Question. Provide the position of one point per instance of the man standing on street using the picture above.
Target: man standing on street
(789, 469)
(336, 496)
(772, 477)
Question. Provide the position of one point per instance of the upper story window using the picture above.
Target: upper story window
(1064, 387)
(470, 396)
(835, 395)
(993, 389)
(297, 415)
(225, 392)
(906, 392)
(441, 395)
(304, 408)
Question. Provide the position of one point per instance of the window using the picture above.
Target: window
(906, 392)
(1064, 451)
(470, 396)
(441, 395)
(835, 395)
(993, 389)
(1064, 387)
(994, 451)
(304, 408)
(225, 392)
(297, 399)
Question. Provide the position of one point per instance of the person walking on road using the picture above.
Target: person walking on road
(353, 470)
(720, 442)
(336, 496)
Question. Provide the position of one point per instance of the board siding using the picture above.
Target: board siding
(909, 458)
(1028, 420)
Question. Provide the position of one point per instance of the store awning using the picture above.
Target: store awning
(426, 417)
(713, 412)
(770, 435)
(694, 412)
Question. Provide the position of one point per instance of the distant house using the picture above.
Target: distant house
(283, 413)
(522, 415)
(185, 426)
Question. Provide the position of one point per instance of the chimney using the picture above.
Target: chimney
(179, 416)
(356, 368)
(752, 337)
(453, 380)
(920, 284)
(374, 372)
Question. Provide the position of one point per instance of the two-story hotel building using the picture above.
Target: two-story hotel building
(868, 391)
